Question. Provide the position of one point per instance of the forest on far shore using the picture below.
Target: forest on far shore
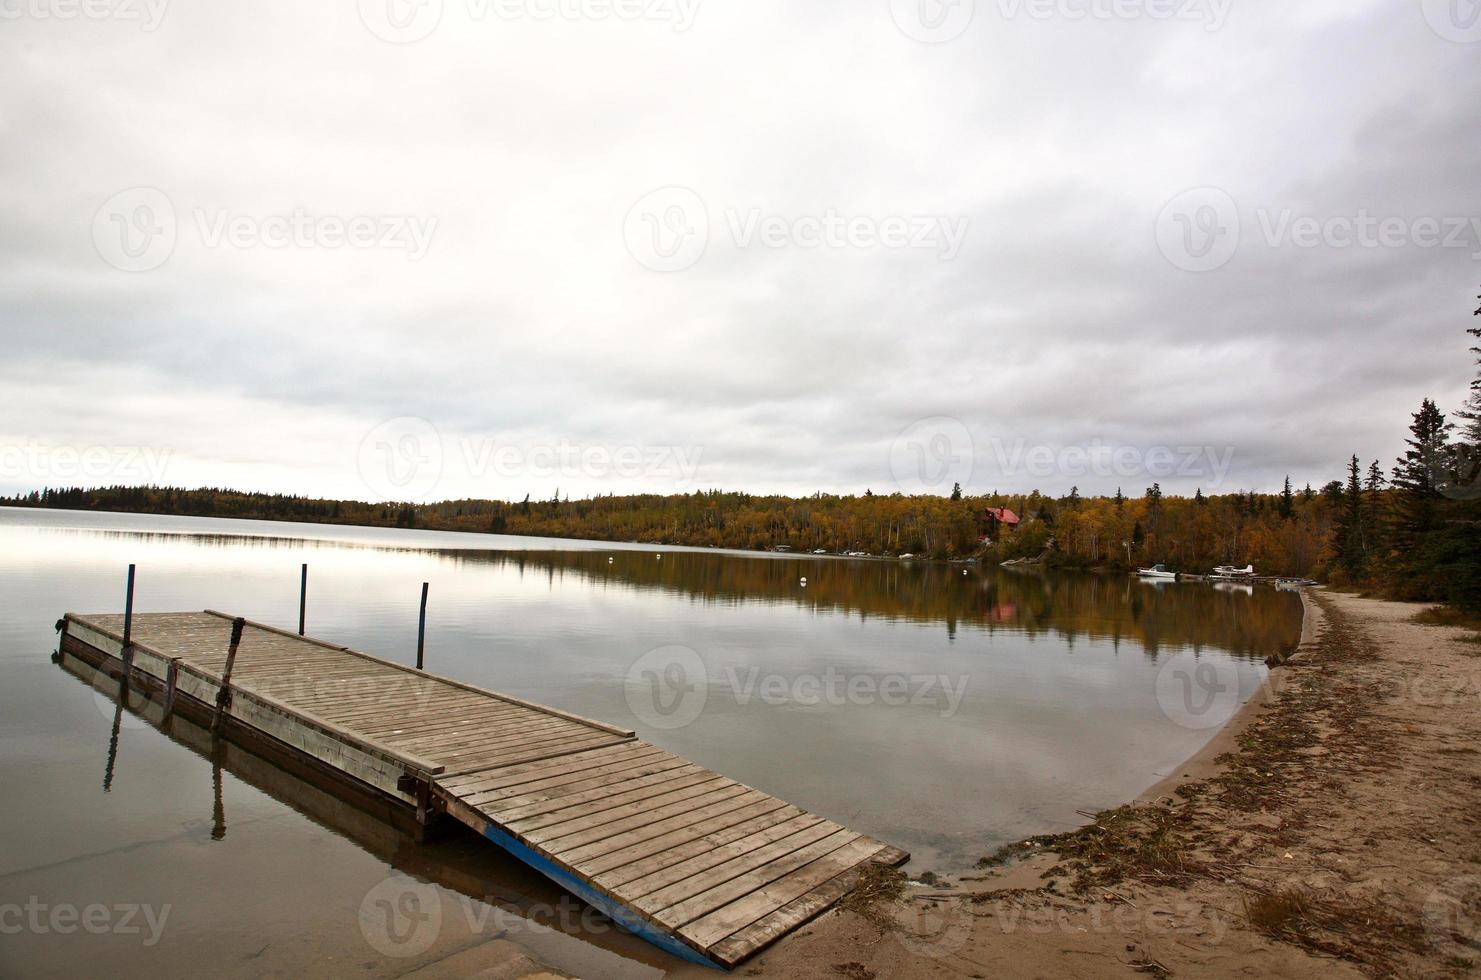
(1412, 531)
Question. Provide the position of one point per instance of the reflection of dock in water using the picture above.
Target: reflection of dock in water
(701, 866)
(455, 858)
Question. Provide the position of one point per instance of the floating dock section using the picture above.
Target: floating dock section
(706, 868)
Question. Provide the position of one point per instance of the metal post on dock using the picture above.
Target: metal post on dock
(422, 627)
(223, 696)
(125, 654)
(303, 596)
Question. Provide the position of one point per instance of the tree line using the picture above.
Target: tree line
(1285, 536)
(1413, 531)
(1416, 534)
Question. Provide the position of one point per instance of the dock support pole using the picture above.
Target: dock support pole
(126, 652)
(172, 679)
(223, 696)
(422, 627)
(303, 596)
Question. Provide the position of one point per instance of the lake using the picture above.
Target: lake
(941, 708)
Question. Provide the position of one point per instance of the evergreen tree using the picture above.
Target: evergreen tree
(1347, 538)
(1467, 452)
(1373, 509)
(1436, 536)
(1287, 501)
(956, 491)
(1418, 477)
(1471, 431)
(1199, 498)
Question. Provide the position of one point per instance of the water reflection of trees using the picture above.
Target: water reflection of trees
(1099, 607)
(259, 541)
(1073, 606)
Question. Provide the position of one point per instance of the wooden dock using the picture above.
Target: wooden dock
(706, 868)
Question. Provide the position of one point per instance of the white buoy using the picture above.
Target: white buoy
(609, 561)
(659, 557)
(804, 581)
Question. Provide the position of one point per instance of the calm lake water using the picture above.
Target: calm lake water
(940, 711)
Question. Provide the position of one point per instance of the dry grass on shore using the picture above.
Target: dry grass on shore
(1449, 616)
(878, 889)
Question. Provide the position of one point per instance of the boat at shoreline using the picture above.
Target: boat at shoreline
(1156, 571)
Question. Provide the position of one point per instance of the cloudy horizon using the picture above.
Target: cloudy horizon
(432, 249)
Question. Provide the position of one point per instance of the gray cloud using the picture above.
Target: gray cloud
(531, 322)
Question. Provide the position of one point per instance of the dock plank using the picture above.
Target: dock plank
(715, 891)
(579, 852)
(637, 793)
(561, 793)
(477, 780)
(615, 867)
(796, 913)
(568, 780)
(680, 880)
(757, 904)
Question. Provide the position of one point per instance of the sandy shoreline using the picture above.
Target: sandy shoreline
(1204, 763)
(1333, 828)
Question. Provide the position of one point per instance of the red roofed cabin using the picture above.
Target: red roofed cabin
(999, 518)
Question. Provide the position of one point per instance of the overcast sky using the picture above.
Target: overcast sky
(495, 247)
